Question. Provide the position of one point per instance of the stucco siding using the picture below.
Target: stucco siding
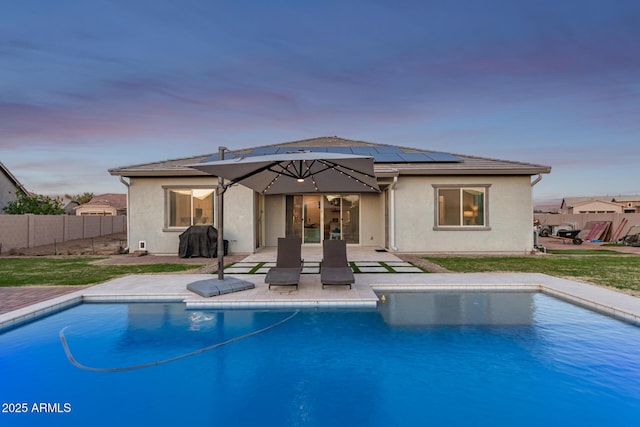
(148, 211)
(509, 210)
(239, 221)
(274, 219)
(7, 191)
(372, 217)
(597, 206)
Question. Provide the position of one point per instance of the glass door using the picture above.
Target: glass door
(312, 221)
(342, 217)
(313, 218)
(332, 217)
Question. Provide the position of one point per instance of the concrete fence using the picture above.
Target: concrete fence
(28, 231)
(579, 220)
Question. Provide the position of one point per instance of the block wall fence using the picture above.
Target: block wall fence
(28, 231)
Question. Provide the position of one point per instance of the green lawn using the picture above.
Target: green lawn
(615, 270)
(72, 271)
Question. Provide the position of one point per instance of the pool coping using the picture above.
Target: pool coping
(172, 288)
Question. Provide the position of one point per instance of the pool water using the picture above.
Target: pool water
(438, 359)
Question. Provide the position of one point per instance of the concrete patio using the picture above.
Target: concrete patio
(172, 288)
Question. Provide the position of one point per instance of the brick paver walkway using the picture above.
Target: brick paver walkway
(15, 298)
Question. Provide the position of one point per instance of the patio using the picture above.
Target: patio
(310, 294)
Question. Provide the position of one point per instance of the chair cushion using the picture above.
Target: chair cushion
(283, 276)
(337, 276)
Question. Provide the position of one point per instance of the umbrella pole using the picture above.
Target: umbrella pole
(220, 218)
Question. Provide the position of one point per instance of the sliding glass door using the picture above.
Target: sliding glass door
(314, 218)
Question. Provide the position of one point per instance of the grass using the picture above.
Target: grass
(621, 272)
(72, 271)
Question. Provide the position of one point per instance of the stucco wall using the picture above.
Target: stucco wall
(371, 216)
(597, 206)
(509, 208)
(147, 215)
(7, 191)
(274, 219)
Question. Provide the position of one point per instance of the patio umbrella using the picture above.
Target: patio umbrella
(297, 172)
(289, 173)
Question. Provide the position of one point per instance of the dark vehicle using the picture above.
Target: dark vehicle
(632, 238)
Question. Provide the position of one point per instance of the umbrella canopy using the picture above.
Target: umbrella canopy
(297, 172)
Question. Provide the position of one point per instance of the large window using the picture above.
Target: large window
(187, 207)
(461, 206)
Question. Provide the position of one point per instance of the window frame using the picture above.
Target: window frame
(460, 187)
(167, 204)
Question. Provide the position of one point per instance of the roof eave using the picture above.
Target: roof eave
(156, 172)
(475, 171)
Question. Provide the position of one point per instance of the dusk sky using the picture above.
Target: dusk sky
(89, 85)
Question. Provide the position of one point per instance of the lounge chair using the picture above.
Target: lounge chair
(289, 263)
(335, 268)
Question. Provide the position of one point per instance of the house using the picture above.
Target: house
(9, 187)
(430, 202)
(629, 204)
(70, 206)
(575, 205)
(104, 204)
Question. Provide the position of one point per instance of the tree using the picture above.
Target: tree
(80, 198)
(35, 204)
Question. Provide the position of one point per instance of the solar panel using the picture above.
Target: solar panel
(444, 157)
(262, 151)
(214, 157)
(388, 158)
(388, 149)
(341, 150)
(364, 151)
(380, 154)
(415, 157)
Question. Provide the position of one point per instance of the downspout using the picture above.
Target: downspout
(537, 180)
(535, 231)
(128, 185)
(392, 213)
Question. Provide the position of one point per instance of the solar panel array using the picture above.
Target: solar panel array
(380, 154)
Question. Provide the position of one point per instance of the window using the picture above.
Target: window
(187, 207)
(461, 206)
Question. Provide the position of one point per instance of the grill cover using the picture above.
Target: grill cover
(200, 241)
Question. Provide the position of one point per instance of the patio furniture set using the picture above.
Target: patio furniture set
(289, 263)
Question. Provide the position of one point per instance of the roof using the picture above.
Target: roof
(632, 198)
(13, 179)
(574, 201)
(118, 201)
(388, 160)
(586, 202)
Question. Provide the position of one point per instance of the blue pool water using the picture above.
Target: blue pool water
(438, 359)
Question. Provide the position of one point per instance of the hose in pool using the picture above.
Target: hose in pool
(77, 364)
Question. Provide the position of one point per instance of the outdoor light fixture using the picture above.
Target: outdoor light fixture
(300, 179)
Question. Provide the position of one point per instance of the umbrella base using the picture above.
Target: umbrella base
(213, 287)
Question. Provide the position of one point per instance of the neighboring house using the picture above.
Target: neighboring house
(630, 204)
(104, 204)
(70, 206)
(9, 187)
(430, 202)
(576, 205)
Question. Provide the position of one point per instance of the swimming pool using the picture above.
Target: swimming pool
(421, 359)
